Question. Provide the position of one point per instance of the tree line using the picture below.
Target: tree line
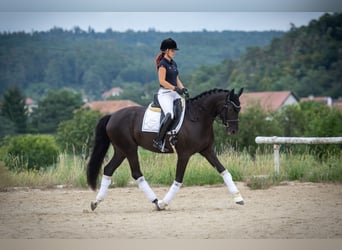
(306, 60)
(93, 62)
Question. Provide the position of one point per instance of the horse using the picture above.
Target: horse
(123, 130)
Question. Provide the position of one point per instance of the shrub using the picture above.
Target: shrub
(77, 135)
(28, 152)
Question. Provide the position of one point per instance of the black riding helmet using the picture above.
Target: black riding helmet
(168, 43)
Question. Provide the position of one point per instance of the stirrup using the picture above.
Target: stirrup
(159, 145)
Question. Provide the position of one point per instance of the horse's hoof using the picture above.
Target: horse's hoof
(238, 199)
(156, 203)
(158, 208)
(240, 203)
(161, 205)
(93, 205)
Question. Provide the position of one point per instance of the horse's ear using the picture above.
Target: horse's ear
(240, 92)
(230, 95)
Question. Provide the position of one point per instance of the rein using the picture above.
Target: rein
(223, 117)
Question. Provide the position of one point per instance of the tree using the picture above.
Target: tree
(7, 127)
(254, 121)
(13, 109)
(77, 134)
(56, 107)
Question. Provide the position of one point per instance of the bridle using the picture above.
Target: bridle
(224, 118)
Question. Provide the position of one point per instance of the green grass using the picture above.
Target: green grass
(68, 171)
(158, 169)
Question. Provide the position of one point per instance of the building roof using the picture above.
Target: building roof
(268, 100)
(28, 101)
(107, 107)
(112, 92)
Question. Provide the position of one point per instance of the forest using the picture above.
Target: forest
(305, 60)
(91, 62)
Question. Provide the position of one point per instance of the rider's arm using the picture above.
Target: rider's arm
(162, 79)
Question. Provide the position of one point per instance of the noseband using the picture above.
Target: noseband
(224, 118)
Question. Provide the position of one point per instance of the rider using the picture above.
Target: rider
(171, 87)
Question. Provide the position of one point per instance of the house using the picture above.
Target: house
(323, 99)
(30, 105)
(108, 107)
(327, 100)
(338, 104)
(112, 92)
(269, 100)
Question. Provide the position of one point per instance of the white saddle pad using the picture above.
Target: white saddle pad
(151, 121)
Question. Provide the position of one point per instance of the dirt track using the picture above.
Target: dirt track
(295, 210)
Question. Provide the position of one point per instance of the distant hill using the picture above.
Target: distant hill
(95, 62)
(306, 60)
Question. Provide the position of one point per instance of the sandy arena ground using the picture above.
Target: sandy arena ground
(295, 210)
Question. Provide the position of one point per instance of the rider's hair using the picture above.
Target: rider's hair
(158, 58)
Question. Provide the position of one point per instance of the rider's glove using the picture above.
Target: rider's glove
(186, 92)
(179, 91)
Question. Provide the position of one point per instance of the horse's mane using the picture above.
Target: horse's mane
(206, 93)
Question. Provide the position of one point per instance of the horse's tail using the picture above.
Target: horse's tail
(100, 148)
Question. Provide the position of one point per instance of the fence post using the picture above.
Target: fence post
(277, 141)
(276, 148)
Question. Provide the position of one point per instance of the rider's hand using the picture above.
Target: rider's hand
(186, 92)
(179, 91)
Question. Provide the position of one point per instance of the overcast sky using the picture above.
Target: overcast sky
(174, 15)
(160, 21)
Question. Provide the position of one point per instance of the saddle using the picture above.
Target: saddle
(154, 115)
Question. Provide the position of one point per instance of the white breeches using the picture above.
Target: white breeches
(166, 98)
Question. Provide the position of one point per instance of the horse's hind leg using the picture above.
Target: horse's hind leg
(138, 176)
(182, 162)
(106, 180)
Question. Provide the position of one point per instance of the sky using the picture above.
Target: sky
(29, 21)
(165, 16)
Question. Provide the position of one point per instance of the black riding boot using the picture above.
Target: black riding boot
(165, 124)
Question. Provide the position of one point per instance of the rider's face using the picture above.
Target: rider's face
(171, 53)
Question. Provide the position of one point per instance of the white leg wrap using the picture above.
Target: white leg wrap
(172, 192)
(105, 182)
(143, 185)
(227, 177)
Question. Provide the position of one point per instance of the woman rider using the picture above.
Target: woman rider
(171, 87)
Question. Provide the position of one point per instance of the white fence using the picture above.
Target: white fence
(277, 141)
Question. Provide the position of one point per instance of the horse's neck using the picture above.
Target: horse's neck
(208, 106)
(212, 103)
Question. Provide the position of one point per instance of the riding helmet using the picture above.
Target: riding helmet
(168, 43)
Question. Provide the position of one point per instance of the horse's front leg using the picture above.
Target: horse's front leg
(177, 183)
(227, 177)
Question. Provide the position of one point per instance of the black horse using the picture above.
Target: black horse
(123, 130)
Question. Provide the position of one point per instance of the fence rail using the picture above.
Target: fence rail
(277, 141)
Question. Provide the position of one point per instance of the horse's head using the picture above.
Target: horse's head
(230, 112)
